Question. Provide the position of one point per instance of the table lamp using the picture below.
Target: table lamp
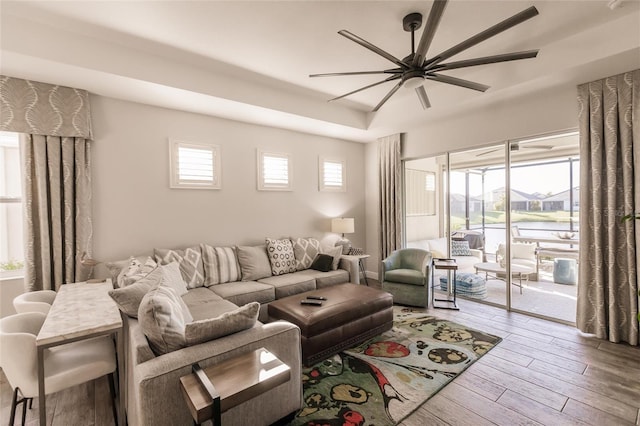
(343, 225)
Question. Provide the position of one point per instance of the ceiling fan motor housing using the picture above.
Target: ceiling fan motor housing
(412, 21)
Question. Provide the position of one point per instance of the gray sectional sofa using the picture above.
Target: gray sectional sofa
(153, 394)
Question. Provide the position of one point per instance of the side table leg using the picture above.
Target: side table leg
(364, 273)
(41, 395)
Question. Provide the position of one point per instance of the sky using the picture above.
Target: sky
(552, 178)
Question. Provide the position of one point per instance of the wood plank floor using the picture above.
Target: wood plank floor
(542, 373)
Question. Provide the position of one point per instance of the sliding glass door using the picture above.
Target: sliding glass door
(506, 210)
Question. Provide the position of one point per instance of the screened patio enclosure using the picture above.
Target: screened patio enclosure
(517, 202)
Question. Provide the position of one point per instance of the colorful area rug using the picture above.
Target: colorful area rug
(383, 380)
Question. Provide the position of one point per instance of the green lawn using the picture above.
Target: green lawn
(499, 217)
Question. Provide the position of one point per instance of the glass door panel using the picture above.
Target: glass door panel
(544, 181)
(478, 221)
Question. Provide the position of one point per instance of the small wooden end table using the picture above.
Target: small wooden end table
(447, 265)
(211, 391)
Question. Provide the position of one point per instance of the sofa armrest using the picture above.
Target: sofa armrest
(156, 389)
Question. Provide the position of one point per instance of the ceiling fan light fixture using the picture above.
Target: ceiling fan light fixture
(413, 82)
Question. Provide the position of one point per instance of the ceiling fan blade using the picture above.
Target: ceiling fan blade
(394, 77)
(364, 43)
(429, 31)
(333, 74)
(422, 95)
(386, 98)
(486, 60)
(457, 82)
(487, 152)
(537, 146)
(516, 19)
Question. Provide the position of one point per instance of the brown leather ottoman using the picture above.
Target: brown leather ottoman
(351, 314)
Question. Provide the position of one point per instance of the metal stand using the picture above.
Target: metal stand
(448, 265)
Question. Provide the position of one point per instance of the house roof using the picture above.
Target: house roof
(250, 60)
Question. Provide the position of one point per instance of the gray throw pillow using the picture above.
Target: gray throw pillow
(254, 263)
(163, 316)
(228, 323)
(220, 265)
(128, 298)
(173, 278)
(305, 251)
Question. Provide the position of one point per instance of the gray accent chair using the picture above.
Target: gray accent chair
(406, 275)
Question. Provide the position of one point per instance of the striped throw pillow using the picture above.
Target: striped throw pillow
(220, 265)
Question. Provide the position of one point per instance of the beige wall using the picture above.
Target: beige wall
(135, 211)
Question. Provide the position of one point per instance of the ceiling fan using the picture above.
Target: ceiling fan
(516, 147)
(415, 68)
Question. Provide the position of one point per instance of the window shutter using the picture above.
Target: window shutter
(274, 171)
(195, 165)
(332, 175)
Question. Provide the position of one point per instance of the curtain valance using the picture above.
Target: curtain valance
(44, 109)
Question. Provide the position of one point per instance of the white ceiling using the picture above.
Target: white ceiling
(250, 61)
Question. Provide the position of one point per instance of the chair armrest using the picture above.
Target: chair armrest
(477, 253)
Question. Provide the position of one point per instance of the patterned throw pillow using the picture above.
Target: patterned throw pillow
(281, 256)
(135, 271)
(460, 248)
(220, 265)
(305, 251)
(190, 261)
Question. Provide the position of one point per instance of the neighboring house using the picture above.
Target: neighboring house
(562, 201)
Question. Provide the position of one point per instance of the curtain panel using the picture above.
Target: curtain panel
(55, 126)
(610, 188)
(390, 180)
(43, 109)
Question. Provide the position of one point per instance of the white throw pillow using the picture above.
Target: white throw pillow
(173, 278)
(523, 251)
(135, 271)
(163, 316)
(336, 253)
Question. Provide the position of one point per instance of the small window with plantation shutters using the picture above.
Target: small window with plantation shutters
(332, 175)
(194, 165)
(275, 171)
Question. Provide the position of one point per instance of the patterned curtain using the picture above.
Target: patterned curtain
(390, 194)
(609, 115)
(56, 125)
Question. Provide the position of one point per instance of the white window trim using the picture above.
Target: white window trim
(262, 185)
(174, 145)
(322, 185)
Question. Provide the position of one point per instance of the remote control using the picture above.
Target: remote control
(317, 297)
(311, 302)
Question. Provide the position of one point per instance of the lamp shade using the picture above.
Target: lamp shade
(343, 225)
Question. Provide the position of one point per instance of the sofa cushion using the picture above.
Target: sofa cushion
(243, 292)
(405, 276)
(305, 251)
(228, 323)
(254, 263)
(163, 316)
(190, 261)
(327, 279)
(438, 247)
(281, 256)
(128, 298)
(220, 265)
(173, 278)
(290, 284)
(204, 303)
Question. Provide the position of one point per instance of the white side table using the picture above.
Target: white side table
(356, 266)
